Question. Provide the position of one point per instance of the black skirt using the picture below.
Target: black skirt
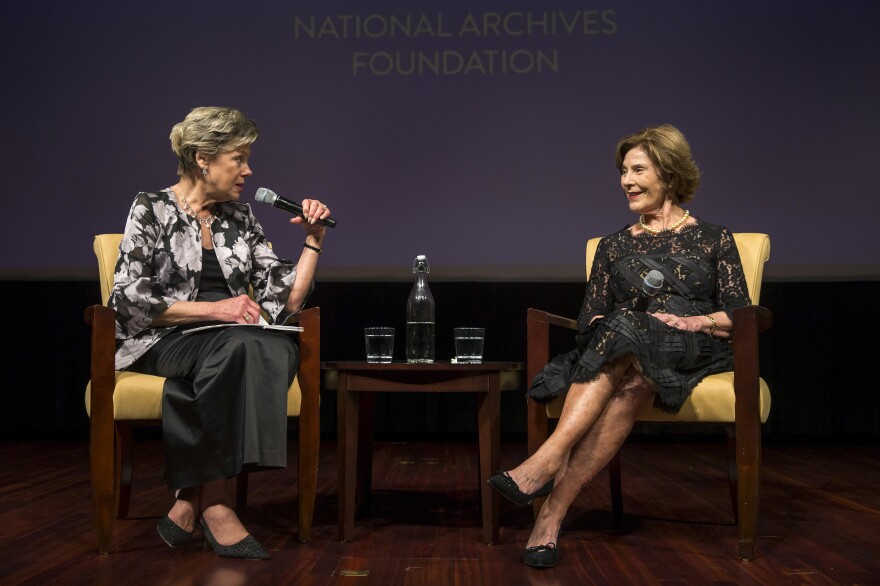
(224, 404)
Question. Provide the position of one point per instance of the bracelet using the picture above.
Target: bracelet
(318, 250)
(714, 325)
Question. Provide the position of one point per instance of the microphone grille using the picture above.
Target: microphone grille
(265, 195)
(654, 279)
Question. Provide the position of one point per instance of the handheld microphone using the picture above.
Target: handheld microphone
(269, 197)
(651, 284)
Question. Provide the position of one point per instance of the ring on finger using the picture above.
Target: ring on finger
(247, 317)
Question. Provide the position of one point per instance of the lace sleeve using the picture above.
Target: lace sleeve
(731, 291)
(598, 297)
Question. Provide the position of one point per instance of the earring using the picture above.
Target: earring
(204, 171)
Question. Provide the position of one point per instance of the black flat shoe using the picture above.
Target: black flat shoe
(541, 556)
(503, 483)
(172, 533)
(248, 548)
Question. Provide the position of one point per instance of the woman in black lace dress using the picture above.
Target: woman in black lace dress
(626, 357)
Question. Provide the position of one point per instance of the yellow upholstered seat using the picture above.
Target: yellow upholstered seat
(139, 397)
(135, 396)
(117, 400)
(740, 399)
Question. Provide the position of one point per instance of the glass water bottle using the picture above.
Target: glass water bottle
(420, 316)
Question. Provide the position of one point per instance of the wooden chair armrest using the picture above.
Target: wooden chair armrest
(538, 324)
(552, 319)
(103, 369)
(309, 374)
(762, 317)
(747, 323)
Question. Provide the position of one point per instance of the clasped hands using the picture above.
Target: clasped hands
(692, 323)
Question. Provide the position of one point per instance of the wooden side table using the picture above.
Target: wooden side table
(357, 383)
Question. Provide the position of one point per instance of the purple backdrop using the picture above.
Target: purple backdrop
(480, 136)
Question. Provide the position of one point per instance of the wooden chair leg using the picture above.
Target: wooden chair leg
(124, 455)
(102, 461)
(309, 377)
(537, 435)
(748, 451)
(241, 492)
(309, 446)
(616, 489)
(732, 474)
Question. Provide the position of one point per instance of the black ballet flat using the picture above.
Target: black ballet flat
(248, 548)
(172, 533)
(541, 556)
(503, 483)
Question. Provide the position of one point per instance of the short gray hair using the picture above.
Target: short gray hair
(210, 130)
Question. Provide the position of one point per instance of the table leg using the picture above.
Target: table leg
(489, 422)
(366, 417)
(347, 448)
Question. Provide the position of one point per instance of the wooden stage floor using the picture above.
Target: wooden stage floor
(819, 522)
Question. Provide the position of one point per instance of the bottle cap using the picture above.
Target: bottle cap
(421, 261)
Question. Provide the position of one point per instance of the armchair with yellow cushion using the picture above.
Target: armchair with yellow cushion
(740, 400)
(117, 401)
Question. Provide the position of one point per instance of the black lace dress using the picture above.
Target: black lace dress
(702, 274)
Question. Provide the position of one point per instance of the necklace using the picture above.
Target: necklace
(671, 228)
(205, 221)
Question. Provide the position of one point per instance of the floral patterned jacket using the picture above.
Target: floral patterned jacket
(160, 263)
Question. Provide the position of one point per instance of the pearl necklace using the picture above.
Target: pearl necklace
(205, 221)
(671, 228)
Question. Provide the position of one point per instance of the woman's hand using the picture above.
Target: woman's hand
(719, 326)
(693, 323)
(241, 310)
(313, 210)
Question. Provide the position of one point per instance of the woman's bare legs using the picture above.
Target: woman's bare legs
(591, 453)
(584, 403)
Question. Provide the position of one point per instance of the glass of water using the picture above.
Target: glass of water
(469, 345)
(380, 344)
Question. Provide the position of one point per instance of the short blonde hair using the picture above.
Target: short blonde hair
(667, 148)
(210, 130)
